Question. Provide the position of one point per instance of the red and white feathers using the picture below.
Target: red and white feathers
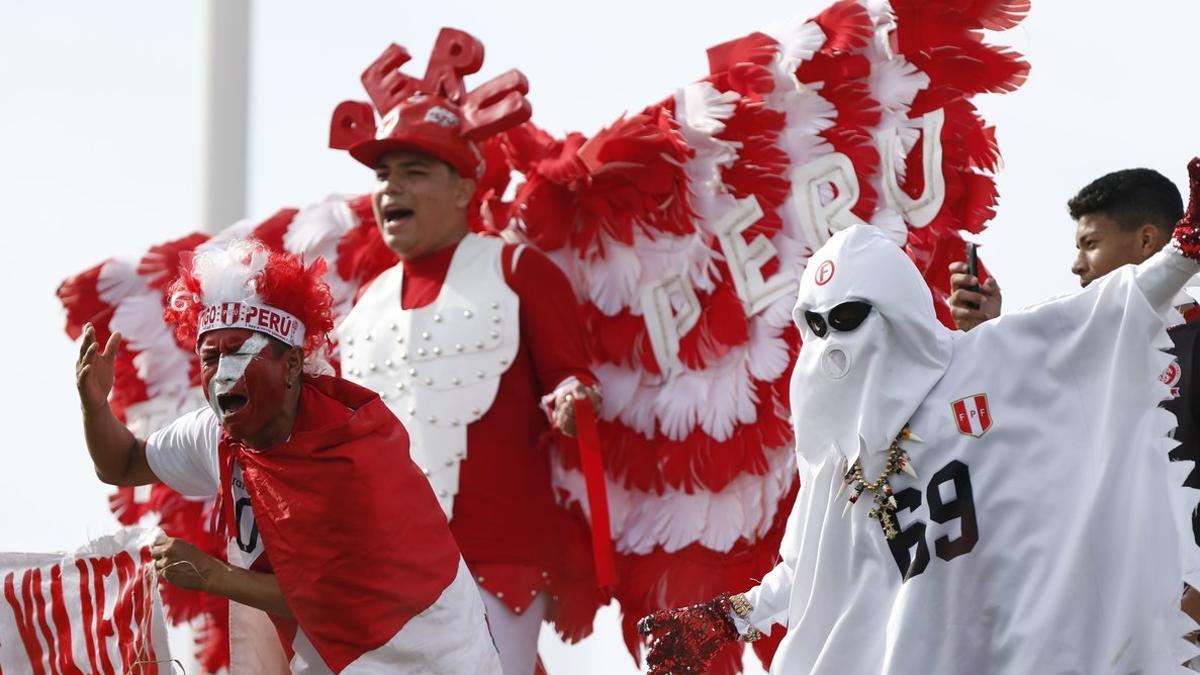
(697, 449)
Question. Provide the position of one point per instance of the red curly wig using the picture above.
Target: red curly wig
(246, 270)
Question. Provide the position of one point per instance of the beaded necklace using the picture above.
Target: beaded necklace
(884, 508)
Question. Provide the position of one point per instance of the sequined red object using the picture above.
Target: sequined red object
(1187, 231)
(688, 637)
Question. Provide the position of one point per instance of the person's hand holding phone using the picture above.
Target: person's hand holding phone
(972, 303)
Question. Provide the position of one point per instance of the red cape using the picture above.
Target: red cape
(355, 535)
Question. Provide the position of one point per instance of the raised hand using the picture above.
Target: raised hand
(1187, 231)
(687, 638)
(94, 369)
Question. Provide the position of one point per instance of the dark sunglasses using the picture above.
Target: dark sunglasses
(845, 317)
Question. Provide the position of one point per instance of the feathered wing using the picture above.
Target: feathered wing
(698, 450)
(689, 317)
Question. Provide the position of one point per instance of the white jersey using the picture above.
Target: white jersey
(1047, 531)
(184, 455)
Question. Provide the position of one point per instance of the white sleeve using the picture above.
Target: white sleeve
(1162, 276)
(183, 454)
(1084, 338)
(771, 598)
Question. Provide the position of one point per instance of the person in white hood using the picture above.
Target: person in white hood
(999, 501)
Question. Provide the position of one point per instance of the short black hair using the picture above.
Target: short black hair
(1132, 198)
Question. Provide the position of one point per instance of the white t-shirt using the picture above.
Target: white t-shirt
(183, 455)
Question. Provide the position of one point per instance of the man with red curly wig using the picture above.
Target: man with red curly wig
(341, 539)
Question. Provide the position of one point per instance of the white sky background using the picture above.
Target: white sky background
(100, 151)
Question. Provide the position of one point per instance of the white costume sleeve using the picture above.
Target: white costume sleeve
(1162, 276)
(1104, 345)
(1081, 336)
(183, 454)
(771, 598)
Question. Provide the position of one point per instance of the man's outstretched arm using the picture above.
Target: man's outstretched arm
(686, 639)
(119, 457)
(1166, 272)
(188, 567)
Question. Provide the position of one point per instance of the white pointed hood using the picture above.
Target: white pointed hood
(855, 390)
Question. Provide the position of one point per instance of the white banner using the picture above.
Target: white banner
(94, 611)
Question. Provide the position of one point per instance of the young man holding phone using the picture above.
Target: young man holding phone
(1121, 218)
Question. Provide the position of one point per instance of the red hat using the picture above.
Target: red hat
(434, 114)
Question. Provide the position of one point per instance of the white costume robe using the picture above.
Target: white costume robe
(1047, 532)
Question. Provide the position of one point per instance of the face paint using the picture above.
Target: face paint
(230, 370)
(244, 381)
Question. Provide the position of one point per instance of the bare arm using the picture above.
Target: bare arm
(186, 566)
(119, 457)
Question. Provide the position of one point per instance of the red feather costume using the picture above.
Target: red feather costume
(690, 330)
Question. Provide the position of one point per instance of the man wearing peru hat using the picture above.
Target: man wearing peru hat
(468, 336)
(342, 542)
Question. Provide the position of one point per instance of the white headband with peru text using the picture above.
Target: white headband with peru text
(262, 318)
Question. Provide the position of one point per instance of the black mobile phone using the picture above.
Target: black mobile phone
(973, 270)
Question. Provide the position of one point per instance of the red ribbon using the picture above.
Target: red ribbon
(593, 475)
(220, 521)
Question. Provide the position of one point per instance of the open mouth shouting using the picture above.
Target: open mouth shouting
(231, 403)
(236, 374)
(396, 216)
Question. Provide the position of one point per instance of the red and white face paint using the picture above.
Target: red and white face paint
(244, 381)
